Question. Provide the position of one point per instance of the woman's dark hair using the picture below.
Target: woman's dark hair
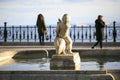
(100, 16)
(40, 19)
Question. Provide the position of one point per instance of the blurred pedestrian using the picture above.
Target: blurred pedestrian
(41, 28)
(99, 25)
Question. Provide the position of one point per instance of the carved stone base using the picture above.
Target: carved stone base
(65, 62)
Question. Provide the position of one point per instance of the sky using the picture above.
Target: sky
(24, 12)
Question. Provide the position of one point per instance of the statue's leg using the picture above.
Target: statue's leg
(61, 48)
(57, 45)
(69, 44)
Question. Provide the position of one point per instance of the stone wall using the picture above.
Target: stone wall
(55, 75)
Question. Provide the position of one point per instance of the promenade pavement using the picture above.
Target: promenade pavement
(50, 45)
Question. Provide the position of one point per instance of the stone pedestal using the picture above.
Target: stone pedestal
(65, 62)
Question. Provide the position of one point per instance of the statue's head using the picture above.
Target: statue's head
(66, 18)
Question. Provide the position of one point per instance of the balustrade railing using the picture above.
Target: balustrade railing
(78, 34)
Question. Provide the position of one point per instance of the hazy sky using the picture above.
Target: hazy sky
(24, 12)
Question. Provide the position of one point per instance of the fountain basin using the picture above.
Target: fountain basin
(37, 61)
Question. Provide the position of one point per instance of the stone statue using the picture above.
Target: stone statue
(60, 45)
(63, 42)
(63, 45)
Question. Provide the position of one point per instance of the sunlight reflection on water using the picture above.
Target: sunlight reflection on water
(44, 64)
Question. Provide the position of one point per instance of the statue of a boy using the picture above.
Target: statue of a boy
(62, 32)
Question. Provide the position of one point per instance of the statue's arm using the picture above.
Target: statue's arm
(58, 27)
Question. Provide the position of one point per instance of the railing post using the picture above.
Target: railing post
(78, 34)
(12, 33)
(20, 33)
(31, 34)
(71, 34)
(82, 34)
(90, 33)
(23, 34)
(106, 33)
(5, 32)
(35, 33)
(50, 33)
(27, 33)
(86, 34)
(74, 33)
(114, 32)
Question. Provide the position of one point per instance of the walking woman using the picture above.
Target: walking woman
(41, 28)
(99, 25)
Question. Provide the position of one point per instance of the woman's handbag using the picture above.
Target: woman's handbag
(94, 33)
